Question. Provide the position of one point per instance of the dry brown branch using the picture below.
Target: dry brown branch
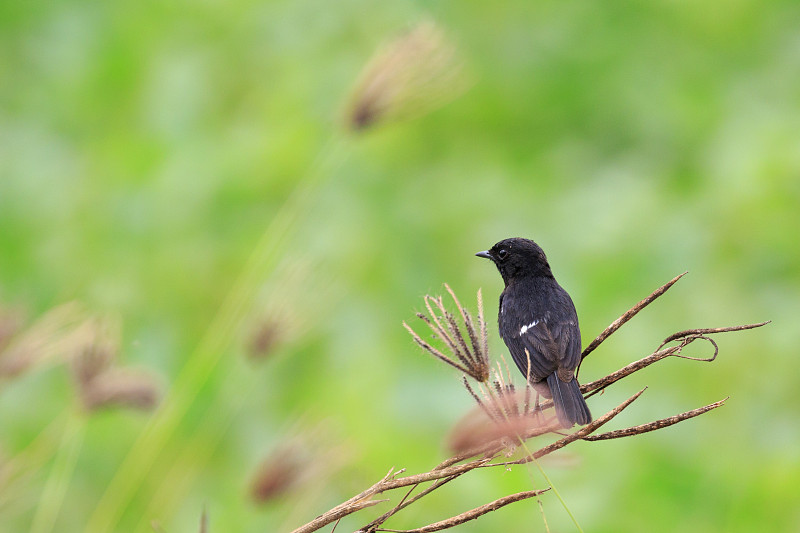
(472, 514)
(614, 326)
(658, 424)
(432, 475)
(406, 501)
(602, 383)
(500, 404)
(356, 503)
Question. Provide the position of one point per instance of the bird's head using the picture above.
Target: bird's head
(518, 258)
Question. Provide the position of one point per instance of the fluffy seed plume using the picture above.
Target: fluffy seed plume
(504, 413)
(506, 417)
(467, 344)
(410, 76)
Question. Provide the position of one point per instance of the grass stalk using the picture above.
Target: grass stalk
(546, 477)
(55, 487)
(201, 364)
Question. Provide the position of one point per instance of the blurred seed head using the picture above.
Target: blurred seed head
(294, 296)
(410, 76)
(281, 471)
(204, 521)
(10, 325)
(266, 337)
(47, 340)
(504, 414)
(307, 457)
(100, 384)
(120, 388)
(96, 354)
(467, 344)
(476, 430)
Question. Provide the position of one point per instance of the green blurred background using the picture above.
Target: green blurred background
(145, 148)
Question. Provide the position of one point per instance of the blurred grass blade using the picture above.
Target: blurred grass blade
(57, 483)
(200, 365)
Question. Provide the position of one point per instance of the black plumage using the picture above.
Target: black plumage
(539, 324)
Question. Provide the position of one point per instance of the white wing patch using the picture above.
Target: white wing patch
(525, 328)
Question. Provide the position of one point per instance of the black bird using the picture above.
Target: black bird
(537, 316)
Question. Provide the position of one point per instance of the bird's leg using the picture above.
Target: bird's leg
(537, 408)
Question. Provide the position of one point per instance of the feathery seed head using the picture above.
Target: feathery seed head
(466, 343)
(412, 75)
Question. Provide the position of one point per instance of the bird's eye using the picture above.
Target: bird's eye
(502, 254)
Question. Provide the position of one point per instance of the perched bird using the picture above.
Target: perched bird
(539, 325)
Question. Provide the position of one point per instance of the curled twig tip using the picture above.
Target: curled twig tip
(697, 333)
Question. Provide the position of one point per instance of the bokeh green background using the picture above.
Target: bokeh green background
(145, 147)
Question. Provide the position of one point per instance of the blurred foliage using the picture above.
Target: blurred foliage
(146, 147)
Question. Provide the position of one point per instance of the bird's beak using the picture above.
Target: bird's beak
(485, 254)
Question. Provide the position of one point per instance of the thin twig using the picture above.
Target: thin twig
(708, 331)
(596, 386)
(472, 514)
(405, 502)
(658, 424)
(614, 326)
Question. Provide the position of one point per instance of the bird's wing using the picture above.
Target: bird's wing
(571, 335)
(533, 341)
(552, 347)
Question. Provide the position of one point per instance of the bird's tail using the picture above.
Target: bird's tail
(570, 406)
